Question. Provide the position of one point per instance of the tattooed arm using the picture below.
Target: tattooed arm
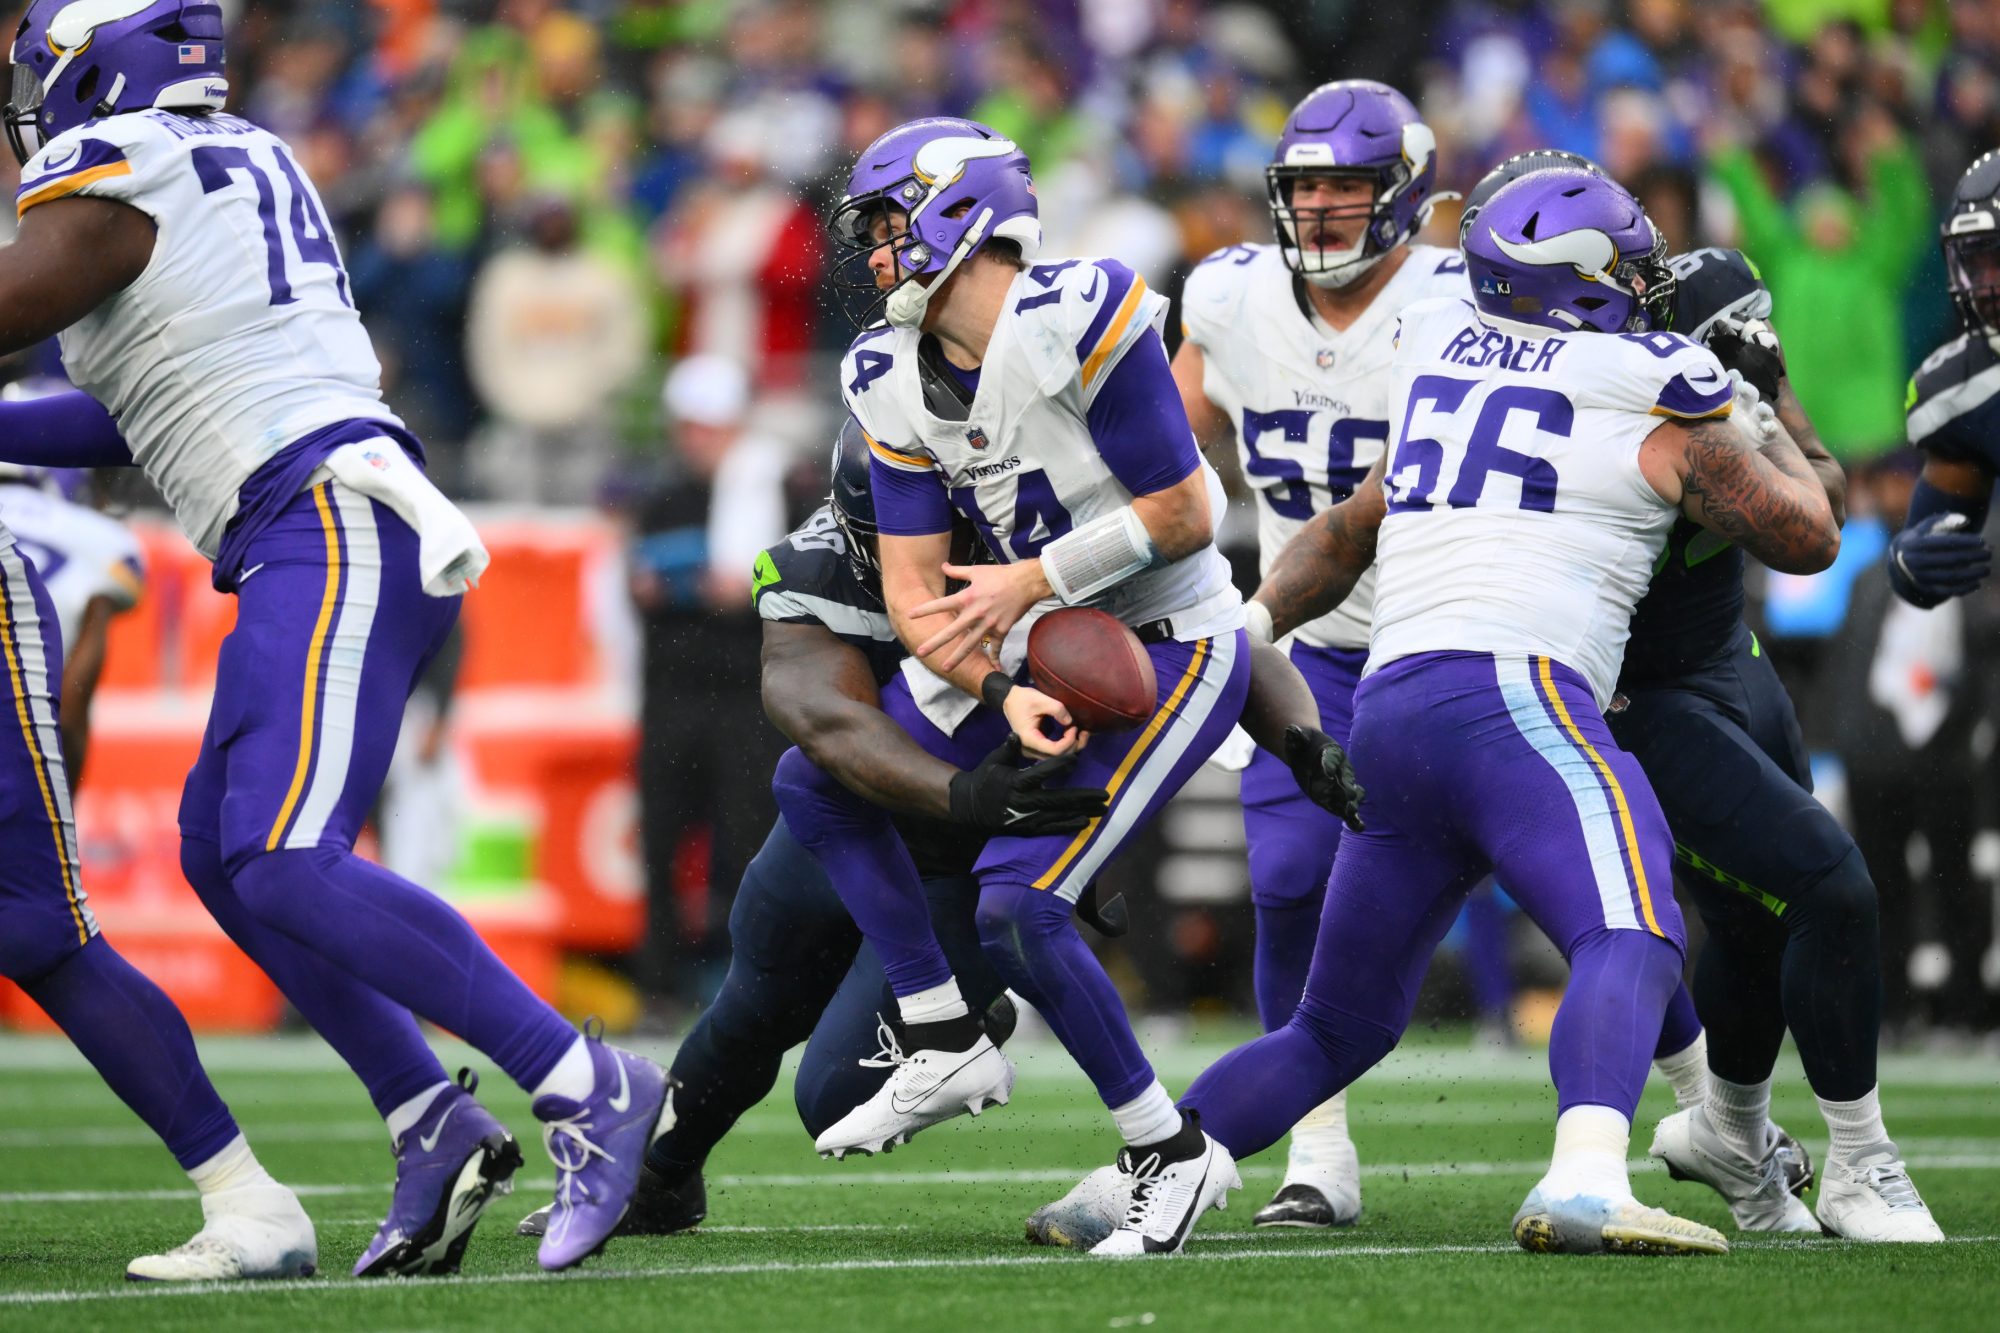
(1764, 497)
(1832, 476)
(1319, 565)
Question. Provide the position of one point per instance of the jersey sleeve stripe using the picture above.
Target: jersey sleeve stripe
(68, 185)
(1118, 282)
(1121, 324)
(1682, 400)
(888, 455)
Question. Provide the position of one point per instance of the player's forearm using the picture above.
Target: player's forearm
(866, 752)
(1765, 498)
(1831, 475)
(1279, 697)
(62, 430)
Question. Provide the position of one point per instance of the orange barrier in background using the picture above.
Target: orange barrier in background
(538, 728)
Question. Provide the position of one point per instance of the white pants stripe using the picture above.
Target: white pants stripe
(340, 684)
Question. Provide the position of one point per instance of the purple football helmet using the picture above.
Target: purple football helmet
(1354, 126)
(958, 184)
(78, 60)
(1565, 249)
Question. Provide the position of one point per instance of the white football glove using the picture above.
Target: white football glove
(1757, 416)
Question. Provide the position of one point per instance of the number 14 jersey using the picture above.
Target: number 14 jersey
(240, 336)
(1519, 521)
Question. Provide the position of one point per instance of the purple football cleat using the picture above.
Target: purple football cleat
(599, 1145)
(449, 1165)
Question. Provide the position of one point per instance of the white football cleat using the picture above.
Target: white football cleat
(1757, 1192)
(257, 1231)
(1588, 1224)
(1086, 1215)
(1322, 1187)
(925, 1088)
(1870, 1196)
(1168, 1198)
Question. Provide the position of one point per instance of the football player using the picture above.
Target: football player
(1954, 412)
(1544, 443)
(188, 266)
(92, 567)
(1034, 399)
(1791, 921)
(127, 1028)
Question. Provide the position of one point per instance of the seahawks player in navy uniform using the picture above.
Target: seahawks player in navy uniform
(1785, 894)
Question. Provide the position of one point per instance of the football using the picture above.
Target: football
(1095, 666)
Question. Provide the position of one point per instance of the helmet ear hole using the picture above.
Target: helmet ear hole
(86, 87)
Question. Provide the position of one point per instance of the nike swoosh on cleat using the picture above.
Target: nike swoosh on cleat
(623, 1101)
(1187, 1223)
(429, 1142)
(897, 1105)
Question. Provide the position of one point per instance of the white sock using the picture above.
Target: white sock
(1319, 1134)
(1687, 1071)
(1147, 1118)
(232, 1168)
(1855, 1125)
(1741, 1114)
(934, 1005)
(405, 1117)
(1591, 1142)
(573, 1077)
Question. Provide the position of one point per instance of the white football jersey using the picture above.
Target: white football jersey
(1518, 520)
(1310, 406)
(240, 337)
(1022, 465)
(80, 554)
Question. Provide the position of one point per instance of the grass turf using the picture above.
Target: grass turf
(1450, 1142)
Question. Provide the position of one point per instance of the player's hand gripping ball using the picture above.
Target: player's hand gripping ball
(1093, 666)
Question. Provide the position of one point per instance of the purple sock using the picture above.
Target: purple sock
(377, 1038)
(1483, 953)
(1680, 1027)
(1032, 942)
(138, 1042)
(871, 870)
(409, 945)
(1609, 1022)
(1251, 1097)
(1285, 935)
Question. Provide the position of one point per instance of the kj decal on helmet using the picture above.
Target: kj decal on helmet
(76, 61)
(1971, 239)
(933, 191)
(1353, 127)
(1564, 249)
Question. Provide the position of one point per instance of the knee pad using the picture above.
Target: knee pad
(1011, 919)
(1346, 1037)
(35, 941)
(1844, 898)
(1288, 868)
(280, 889)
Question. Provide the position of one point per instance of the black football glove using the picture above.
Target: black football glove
(1938, 559)
(1751, 348)
(1324, 774)
(1002, 797)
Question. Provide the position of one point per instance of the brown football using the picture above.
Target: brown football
(1096, 667)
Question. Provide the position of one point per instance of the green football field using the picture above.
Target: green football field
(930, 1238)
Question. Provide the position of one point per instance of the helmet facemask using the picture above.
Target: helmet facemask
(1972, 268)
(1298, 228)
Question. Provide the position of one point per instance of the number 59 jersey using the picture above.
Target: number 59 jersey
(241, 334)
(1310, 405)
(1518, 519)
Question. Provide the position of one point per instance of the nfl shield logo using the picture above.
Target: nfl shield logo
(194, 54)
(1324, 358)
(976, 438)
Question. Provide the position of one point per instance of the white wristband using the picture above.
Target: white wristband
(1257, 621)
(1097, 555)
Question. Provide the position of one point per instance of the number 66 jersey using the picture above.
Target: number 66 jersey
(1518, 519)
(240, 336)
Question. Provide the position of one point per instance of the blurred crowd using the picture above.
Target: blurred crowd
(548, 205)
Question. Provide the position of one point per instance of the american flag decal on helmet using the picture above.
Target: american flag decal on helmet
(194, 53)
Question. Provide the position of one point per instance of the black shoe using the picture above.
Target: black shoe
(659, 1208)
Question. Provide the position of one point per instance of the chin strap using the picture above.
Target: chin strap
(906, 305)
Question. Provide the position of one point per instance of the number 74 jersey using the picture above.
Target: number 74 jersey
(1518, 519)
(241, 334)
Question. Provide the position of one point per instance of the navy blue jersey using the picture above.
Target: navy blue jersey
(807, 579)
(1954, 403)
(1688, 617)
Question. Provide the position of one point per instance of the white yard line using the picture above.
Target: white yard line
(1196, 1253)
